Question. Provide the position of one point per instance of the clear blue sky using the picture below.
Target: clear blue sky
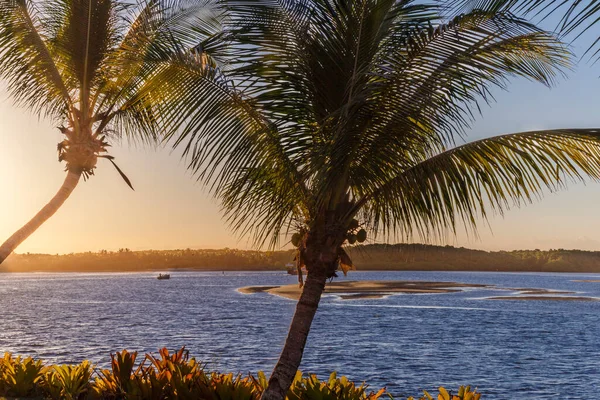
(169, 209)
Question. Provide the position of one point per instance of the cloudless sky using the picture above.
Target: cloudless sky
(169, 210)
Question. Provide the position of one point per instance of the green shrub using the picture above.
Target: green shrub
(311, 388)
(170, 376)
(67, 382)
(118, 381)
(464, 393)
(19, 377)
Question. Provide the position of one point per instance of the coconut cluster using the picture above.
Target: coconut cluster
(80, 155)
(354, 234)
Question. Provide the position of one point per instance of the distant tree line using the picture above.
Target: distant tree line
(428, 257)
(368, 257)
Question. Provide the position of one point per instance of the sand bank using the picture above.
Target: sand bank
(254, 289)
(536, 291)
(348, 290)
(545, 298)
(361, 290)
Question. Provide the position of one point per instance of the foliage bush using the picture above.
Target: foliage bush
(169, 376)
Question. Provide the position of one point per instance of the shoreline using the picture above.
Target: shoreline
(282, 271)
(12, 270)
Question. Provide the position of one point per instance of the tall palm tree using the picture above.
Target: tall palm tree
(102, 69)
(348, 115)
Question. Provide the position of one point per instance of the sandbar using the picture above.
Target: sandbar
(536, 291)
(545, 298)
(252, 290)
(349, 290)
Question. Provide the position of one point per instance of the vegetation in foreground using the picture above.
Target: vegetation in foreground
(415, 257)
(170, 376)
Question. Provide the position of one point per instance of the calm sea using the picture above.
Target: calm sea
(508, 349)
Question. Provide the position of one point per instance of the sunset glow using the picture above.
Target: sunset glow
(169, 209)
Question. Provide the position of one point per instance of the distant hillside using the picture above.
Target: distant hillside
(369, 257)
(432, 258)
(151, 260)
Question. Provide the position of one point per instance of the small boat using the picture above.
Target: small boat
(163, 276)
(293, 270)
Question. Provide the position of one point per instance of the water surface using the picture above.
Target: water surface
(508, 349)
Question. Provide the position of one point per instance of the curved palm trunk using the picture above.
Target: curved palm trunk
(291, 355)
(42, 216)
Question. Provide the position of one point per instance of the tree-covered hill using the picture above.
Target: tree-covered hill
(369, 257)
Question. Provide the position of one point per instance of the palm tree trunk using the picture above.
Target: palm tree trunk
(289, 360)
(42, 216)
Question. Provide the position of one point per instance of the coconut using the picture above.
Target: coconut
(296, 238)
(361, 236)
(352, 238)
(353, 224)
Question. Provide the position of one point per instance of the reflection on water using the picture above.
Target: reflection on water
(532, 349)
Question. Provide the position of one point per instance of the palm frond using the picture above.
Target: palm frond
(576, 16)
(26, 63)
(462, 184)
(430, 89)
(157, 45)
(258, 202)
(83, 38)
(443, 74)
(121, 173)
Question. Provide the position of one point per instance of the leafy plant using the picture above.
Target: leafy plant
(171, 376)
(464, 393)
(311, 388)
(117, 382)
(228, 387)
(68, 382)
(19, 377)
(179, 375)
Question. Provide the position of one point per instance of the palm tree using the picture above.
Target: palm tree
(103, 69)
(347, 118)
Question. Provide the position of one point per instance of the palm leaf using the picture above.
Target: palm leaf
(462, 184)
(83, 40)
(125, 178)
(438, 79)
(34, 79)
(575, 15)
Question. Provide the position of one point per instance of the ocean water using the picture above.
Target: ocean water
(507, 349)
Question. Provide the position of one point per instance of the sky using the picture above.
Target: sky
(170, 210)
